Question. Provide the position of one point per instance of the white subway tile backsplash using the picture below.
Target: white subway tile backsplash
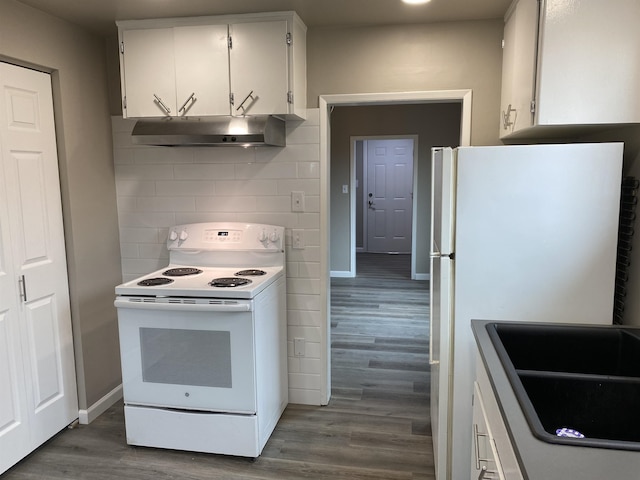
(230, 155)
(309, 170)
(225, 203)
(297, 301)
(304, 381)
(159, 187)
(185, 187)
(266, 170)
(201, 171)
(291, 153)
(163, 155)
(146, 219)
(166, 204)
(129, 250)
(308, 186)
(143, 172)
(246, 187)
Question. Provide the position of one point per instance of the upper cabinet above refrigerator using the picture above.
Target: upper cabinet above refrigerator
(252, 64)
(569, 67)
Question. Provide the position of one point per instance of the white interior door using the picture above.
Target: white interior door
(389, 195)
(38, 397)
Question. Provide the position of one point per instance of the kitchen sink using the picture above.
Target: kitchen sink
(577, 377)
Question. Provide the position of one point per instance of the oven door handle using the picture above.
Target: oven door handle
(184, 307)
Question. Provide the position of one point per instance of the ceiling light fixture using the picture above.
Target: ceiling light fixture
(416, 2)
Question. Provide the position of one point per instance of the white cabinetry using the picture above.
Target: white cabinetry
(493, 455)
(175, 71)
(569, 66)
(245, 64)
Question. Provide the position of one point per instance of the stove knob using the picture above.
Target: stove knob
(183, 235)
(263, 237)
(173, 236)
(274, 237)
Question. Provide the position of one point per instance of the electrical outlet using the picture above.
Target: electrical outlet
(297, 201)
(345, 188)
(297, 238)
(298, 347)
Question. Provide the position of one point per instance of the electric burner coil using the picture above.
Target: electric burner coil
(229, 282)
(181, 272)
(252, 272)
(154, 282)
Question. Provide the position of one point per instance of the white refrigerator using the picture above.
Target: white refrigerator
(518, 233)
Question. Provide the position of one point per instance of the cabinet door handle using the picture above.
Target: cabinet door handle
(250, 96)
(192, 99)
(161, 103)
(22, 283)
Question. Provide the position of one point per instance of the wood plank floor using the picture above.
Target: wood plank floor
(376, 426)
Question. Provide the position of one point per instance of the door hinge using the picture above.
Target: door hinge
(289, 39)
(231, 99)
(532, 107)
(290, 97)
(124, 102)
(230, 42)
(503, 43)
(121, 47)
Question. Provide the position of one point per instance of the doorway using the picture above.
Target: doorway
(328, 107)
(383, 168)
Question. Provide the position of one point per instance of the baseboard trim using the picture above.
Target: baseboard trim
(85, 417)
(423, 276)
(342, 274)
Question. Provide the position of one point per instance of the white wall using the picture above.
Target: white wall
(158, 187)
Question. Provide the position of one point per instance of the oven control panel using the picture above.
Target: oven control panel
(225, 236)
(229, 236)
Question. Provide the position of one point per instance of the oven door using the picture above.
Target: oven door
(197, 357)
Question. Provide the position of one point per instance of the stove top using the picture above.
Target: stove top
(215, 260)
(210, 282)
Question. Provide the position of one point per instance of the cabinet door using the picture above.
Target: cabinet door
(202, 70)
(149, 73)
(259, 67)
(519, 66)
(37, 368)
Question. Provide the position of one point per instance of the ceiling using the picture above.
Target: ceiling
(99, 16)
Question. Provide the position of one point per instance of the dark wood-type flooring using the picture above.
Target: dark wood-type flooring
(376, 426)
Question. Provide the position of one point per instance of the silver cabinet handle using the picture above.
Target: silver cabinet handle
(22, 283)
(161, 103)
(192, 99)
(250, 96)
(506, 118)
(476, 444)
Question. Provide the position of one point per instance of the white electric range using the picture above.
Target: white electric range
(203, 341)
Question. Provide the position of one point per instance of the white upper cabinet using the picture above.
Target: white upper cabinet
(175, 71)
(569, 67)
(242, 64)
(258, 59)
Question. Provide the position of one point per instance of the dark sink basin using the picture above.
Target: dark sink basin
(586, 378)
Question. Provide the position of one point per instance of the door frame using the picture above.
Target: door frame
(326, 103)
(414, 186)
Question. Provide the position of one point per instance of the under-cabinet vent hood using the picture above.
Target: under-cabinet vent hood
(211, 131)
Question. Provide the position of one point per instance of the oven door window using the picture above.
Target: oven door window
(188, 359)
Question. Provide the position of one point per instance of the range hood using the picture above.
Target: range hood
(224, 131)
